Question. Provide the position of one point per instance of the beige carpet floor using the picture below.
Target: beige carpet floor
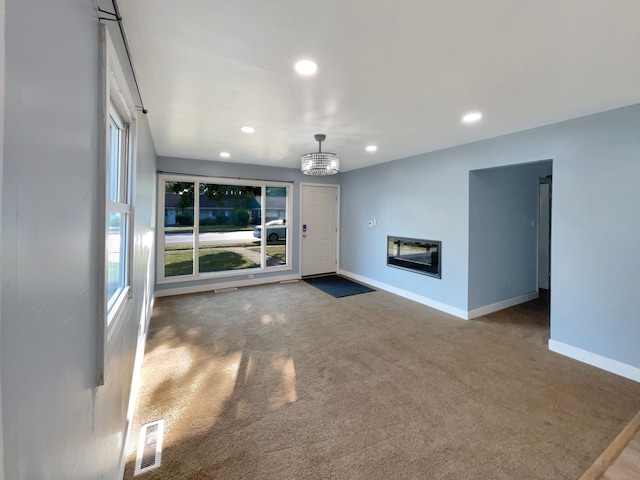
(286, 382)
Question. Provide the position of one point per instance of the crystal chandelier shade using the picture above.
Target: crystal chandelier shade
(320, 163)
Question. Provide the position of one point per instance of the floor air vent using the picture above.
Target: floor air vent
(225, 290)
(149, 447)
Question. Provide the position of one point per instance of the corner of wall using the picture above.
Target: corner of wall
(510, 302)
(595, 360)
(457, 312)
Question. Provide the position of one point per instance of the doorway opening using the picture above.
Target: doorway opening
(544, 232)
(505, 231)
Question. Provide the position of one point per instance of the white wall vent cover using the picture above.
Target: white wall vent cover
(149, 447)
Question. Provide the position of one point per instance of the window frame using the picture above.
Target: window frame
(124, 207)
(197, 180)
(115, 98)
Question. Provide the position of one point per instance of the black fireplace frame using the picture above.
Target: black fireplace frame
(427, 259)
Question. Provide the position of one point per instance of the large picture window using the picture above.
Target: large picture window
(229, 226)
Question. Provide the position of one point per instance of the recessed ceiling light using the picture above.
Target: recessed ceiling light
(225, 154)
(306, 67)
(371, 148)
(248, 129)
(471, 117)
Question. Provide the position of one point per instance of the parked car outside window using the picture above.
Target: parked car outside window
(274, 231)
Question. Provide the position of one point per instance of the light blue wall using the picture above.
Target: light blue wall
(57, 425)
(503, 233)
(595, 233)
(408, 198)
(243, 171)
(595, 259)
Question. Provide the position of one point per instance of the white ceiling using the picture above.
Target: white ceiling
(399, 75)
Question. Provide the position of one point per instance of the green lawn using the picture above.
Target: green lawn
(276, 251)
(209, 245)
(180, 262)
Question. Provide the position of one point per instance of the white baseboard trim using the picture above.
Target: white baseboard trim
(595, 360)
(443, 307)
(210, 287)
(510, 302)
(135, 383)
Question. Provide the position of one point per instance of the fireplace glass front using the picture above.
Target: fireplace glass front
(417, 255)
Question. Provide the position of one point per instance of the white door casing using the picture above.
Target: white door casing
(319, 229)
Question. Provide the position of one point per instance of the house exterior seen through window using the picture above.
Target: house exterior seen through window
(219, 231)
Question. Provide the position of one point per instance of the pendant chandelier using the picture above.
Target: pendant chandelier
(320, 163)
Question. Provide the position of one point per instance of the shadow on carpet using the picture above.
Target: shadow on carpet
(338, 286)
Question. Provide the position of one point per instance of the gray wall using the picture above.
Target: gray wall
(57, 425)
(595, 236)
(503, 239)
(239, 170)
(2, 73)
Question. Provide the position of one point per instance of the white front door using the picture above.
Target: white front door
(319, 229)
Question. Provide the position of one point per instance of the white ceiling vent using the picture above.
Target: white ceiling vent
(149, 447)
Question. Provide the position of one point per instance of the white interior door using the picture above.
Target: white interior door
(319, 229)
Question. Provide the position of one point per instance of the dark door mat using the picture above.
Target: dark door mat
(338, 286)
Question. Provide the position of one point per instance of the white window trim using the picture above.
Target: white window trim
(162, 178)
(115, 94)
